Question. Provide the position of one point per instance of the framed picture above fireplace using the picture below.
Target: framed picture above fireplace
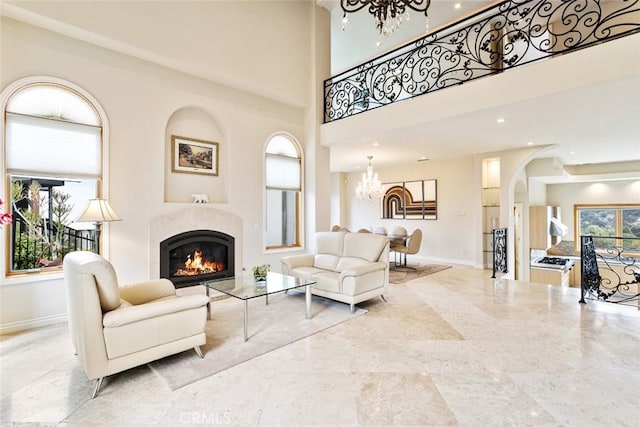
(190, 155)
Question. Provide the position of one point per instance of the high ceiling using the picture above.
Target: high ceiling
(358, 40)
(583, 106)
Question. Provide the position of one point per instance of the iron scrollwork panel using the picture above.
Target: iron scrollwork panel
(608, 272)
(499, 251)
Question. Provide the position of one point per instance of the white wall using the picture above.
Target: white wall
(140, 99)
(452, 237)
(338, 188)
(456, 236)
(605, 192)
(258, 46)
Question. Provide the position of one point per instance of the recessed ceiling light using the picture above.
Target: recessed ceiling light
(572, 152)
(500, 120)
(457, 5)
(530, 143)
(375, 144)
(423, 159)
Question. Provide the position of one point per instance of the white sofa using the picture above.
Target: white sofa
(347, 267)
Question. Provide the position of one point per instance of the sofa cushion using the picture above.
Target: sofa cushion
(365, 246)
(326, 261)
(346, 263)
(155, 331)
(327, 281)
(306, 272)
(107, 285)
(330, 242)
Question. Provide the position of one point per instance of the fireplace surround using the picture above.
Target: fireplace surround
(188, 218)
(191, 257)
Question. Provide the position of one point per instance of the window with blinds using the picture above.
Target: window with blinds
(283, 181)
(53, 164)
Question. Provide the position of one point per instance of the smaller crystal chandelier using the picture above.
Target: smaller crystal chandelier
(389, 14)
(370, 186)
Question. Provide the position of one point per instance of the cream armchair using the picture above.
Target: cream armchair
(114, 328)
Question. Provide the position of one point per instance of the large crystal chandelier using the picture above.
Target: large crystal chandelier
(370, 186)
(389, 14)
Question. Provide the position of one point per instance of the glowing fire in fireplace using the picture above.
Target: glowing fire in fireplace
(196, 264)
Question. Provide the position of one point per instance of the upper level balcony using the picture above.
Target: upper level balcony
(508, 35)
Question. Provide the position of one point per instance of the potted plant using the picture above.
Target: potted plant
(260, 272)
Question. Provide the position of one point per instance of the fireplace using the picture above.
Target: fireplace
(194, 256)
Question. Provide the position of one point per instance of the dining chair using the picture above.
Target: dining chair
(411, 247)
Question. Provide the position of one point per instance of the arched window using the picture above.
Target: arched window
(283, 177)
(53, 162)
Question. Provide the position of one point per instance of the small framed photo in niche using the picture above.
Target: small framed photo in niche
(190, 155)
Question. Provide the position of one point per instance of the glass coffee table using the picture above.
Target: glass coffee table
(245, 288)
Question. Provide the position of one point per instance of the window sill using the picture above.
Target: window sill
(283, 250)
(35, 276)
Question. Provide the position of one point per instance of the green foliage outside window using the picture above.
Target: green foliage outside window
(615, 221)
(40, 219)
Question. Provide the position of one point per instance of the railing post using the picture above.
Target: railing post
(499, 251)
(583, 281)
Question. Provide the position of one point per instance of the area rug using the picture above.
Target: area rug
(401, 274)
(271, 326)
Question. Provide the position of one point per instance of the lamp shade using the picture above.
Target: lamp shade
(98, 210)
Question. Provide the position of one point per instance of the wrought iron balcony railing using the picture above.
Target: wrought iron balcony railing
(508, 35)
(610, 269)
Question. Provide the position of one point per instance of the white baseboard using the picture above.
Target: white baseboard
(23, 325)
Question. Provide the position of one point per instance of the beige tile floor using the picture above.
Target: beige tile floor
(453, 348)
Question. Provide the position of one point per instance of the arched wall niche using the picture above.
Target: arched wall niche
(194, 123)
